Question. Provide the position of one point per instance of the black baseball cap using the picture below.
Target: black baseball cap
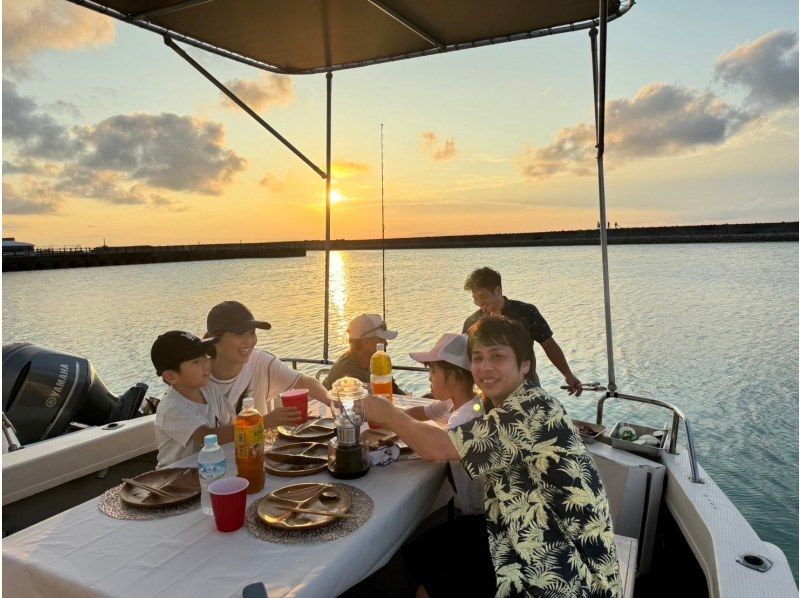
(232, 316)
(174, 347)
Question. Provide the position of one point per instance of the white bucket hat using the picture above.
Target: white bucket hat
(367, 325)
(451, 348)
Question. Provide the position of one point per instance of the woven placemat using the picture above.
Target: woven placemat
(362, 507)
(111, 504)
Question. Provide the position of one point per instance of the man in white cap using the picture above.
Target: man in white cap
(365, 333)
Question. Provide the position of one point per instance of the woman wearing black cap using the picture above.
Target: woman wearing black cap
(239, 369)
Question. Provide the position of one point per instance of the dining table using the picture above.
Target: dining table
(84, 552)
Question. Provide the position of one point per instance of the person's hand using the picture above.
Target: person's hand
(378, 409)
(282, 416)
(574, 385)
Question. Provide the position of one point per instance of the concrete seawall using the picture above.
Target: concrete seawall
(45, 259)
(121, 256)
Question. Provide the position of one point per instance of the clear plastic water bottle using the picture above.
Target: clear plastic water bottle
(211, 464)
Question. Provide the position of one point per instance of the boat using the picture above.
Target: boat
(684, 535)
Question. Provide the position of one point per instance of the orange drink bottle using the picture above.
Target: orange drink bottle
(248, 435)
(380, 367)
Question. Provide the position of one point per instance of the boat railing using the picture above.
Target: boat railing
(295, 360)
(677, 417)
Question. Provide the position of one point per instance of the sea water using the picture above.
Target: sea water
(711, 328)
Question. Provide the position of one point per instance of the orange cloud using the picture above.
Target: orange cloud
(265, 91)
(34, 26)
(343, 169)
(430, 145)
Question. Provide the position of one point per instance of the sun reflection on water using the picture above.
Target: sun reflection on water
(339, 266)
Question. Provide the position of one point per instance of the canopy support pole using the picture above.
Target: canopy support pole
(329, 85)
(599, 72)
(179, 51)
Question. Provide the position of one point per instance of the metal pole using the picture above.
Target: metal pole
(383, 237)
(600, 101)
(329, 77)
(180, 52)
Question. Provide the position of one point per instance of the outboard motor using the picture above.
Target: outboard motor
(45, 390)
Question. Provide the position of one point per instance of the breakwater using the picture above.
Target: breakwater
(45, 259)
(48, 259)
(707, 233)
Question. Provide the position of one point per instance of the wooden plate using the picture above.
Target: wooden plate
(183, 482)
(296, 459)
(382, 437)
(304, 496)
(317, 428)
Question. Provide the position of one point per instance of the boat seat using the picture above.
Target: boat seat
(321, 373)
(626, 551)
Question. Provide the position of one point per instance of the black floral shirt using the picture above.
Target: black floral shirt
(547, 515)
(530, 318)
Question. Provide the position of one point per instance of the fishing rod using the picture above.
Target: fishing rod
(383, 236)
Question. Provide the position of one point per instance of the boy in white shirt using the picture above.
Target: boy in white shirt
(456, 404)
(190, 409)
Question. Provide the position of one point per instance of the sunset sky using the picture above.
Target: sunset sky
(109, 135)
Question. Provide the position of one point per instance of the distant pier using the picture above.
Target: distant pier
(706, 233)
(21, 256)
(77, 257)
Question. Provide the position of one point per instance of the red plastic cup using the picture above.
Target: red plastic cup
(297, 397)
(228, 499)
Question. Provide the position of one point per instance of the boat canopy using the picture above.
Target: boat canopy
(321, 36)
(314, 36)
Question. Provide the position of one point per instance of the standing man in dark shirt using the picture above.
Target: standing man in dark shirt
(487, 293)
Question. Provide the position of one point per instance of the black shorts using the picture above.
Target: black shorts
(453, 559)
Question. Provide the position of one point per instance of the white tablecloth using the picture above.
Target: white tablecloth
(83, 552)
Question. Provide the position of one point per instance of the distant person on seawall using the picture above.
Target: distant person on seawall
(487, 293)
(239, 369)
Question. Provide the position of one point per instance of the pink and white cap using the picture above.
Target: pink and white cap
(451, 348)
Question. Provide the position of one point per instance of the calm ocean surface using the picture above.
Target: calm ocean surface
(711, 328)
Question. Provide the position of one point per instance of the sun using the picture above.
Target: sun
(336, 196)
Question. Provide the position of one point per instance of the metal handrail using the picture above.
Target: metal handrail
(295, 360)
(677, 414)
(677, 417)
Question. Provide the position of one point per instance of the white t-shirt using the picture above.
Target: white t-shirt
(263, 377)
(469, 492)
(177, 418)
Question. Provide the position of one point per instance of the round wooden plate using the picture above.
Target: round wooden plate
(298, 495)
(275, 459)
(319, 428)
(182, 482)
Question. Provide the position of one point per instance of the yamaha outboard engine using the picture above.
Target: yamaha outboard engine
(45, 390)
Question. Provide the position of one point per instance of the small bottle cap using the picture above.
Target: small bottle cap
(381, 347)
(248, 402)
(210, 440)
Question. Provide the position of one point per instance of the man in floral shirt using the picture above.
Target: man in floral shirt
(547, 516)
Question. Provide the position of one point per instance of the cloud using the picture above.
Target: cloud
(669, 119)
(19, 202)
(271, 182)
(767, 68)
(343, 169)
(430, 145)
(122, 160)
(35, 133)
(159, 202)
(267, 90)
(27, 166)
(661, 120)
(33, 26)
(180, 153)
